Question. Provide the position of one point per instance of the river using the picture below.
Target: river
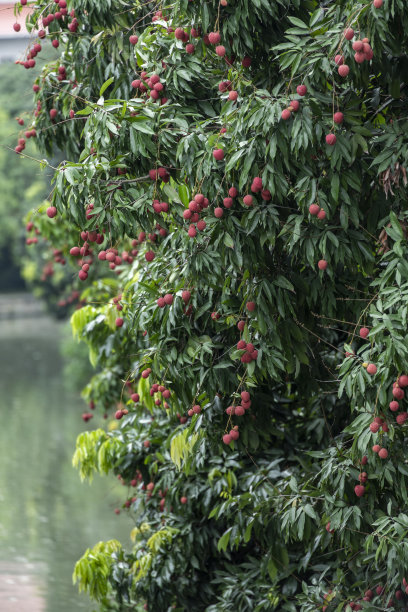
(47, 516)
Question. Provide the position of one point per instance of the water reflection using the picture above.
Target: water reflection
(47, 517)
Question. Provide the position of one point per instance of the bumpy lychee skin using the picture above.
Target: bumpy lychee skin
(218, 212)
(331, 139)
(226, 438)
(133, 39)
(233, 192)
(248, 200)
(119, 322)
(401, 418)
(394, 406)
(301, 90)
(321, 215)
(403, 380)
(383, 453)
(286, 114)
(338, 117)
(185, 296)
(374, 427)
(250, 306)
(364, 331)
(371, 369)
(398, 393)
(314, 209)
(343, 70)
(218, 154)
(214, 38)
(376, 448)
(339, 60)
(51, 212)
(294, 105)
(348, 33)
(220, 50)
(359, 490)
(322, 264)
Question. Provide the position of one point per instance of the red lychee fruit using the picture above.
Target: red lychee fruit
(383, 453)
(343, 70)
(403, 380)
(358, 45)
(314, 209)
(226, 438)
(250, 306)
(398, 393)
(371, 369)
(348, 33)
(339, 59)
(394, 406)
(218, 154)
(183, 500)
(401, 418)
(214, 38)
(218, 212)
(338, 117)
(301, 90)
(248, 200)
(119, 322)
(286, 114)
(51, 212)
(331, 139)
(233, 192)
(133, 39)
(364, 331)
(359, 490)
(220, 50)
(359, 57)
(322, 264)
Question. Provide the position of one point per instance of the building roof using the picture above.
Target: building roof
(8, 19)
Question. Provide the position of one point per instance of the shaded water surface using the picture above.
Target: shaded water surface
(47, 516)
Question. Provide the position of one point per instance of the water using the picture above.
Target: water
(47, 516)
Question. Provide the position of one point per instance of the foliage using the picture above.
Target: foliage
(269, 520)
(21, 184)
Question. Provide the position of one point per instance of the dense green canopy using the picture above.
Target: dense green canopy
(233, 206)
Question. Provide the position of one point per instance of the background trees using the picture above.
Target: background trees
(233, 204)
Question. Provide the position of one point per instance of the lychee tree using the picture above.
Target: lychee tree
(233, 210)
